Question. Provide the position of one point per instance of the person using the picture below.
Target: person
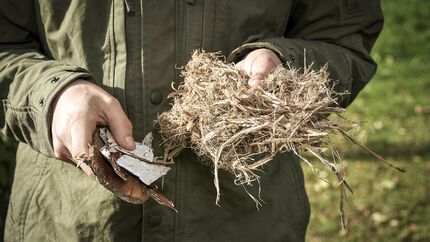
(68, 66)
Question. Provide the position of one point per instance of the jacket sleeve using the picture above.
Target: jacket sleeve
(339, 33)
(29, 80)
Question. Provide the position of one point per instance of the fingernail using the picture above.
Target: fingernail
(130, 141)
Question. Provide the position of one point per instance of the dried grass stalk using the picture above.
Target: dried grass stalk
(239, 129)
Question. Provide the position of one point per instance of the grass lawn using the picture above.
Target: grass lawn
(386, 205)
(395, 110)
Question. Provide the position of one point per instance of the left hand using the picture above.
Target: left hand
(258, 64)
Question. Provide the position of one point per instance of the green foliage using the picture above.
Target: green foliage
(406, 32)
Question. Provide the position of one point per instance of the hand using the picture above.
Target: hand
(258, 64)
(78, 109)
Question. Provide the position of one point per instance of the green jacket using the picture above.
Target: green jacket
(133, 48)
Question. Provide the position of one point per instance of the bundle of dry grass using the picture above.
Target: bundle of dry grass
(217, 114)
(240, 129)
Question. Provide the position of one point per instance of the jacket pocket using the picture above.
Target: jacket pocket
(19, 123)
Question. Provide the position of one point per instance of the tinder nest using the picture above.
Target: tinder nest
(238, 128)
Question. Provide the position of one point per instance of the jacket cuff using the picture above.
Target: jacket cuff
(53, 82)
(287, 56)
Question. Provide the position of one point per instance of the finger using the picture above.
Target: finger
(239, 65)
(62, 153)
(81, 133)
(59, 137)
(260, 66)
(87, 170)
(261, 61)
(254, 83)
(120, 126)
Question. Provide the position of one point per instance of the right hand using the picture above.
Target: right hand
(78, 109)
(258, 64)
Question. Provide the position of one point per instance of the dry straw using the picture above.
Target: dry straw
(239, 129)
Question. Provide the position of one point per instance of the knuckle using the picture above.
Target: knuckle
(112, 102)
(56, 145)
(60, 153)
(112, 106)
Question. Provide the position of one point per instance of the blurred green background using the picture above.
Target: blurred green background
(386, 205)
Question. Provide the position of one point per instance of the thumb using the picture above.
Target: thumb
(120, 126)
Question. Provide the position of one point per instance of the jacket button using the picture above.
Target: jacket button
(154, 220)
(156, 97)
(42, 101)
(291, 58)
(55, 79)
